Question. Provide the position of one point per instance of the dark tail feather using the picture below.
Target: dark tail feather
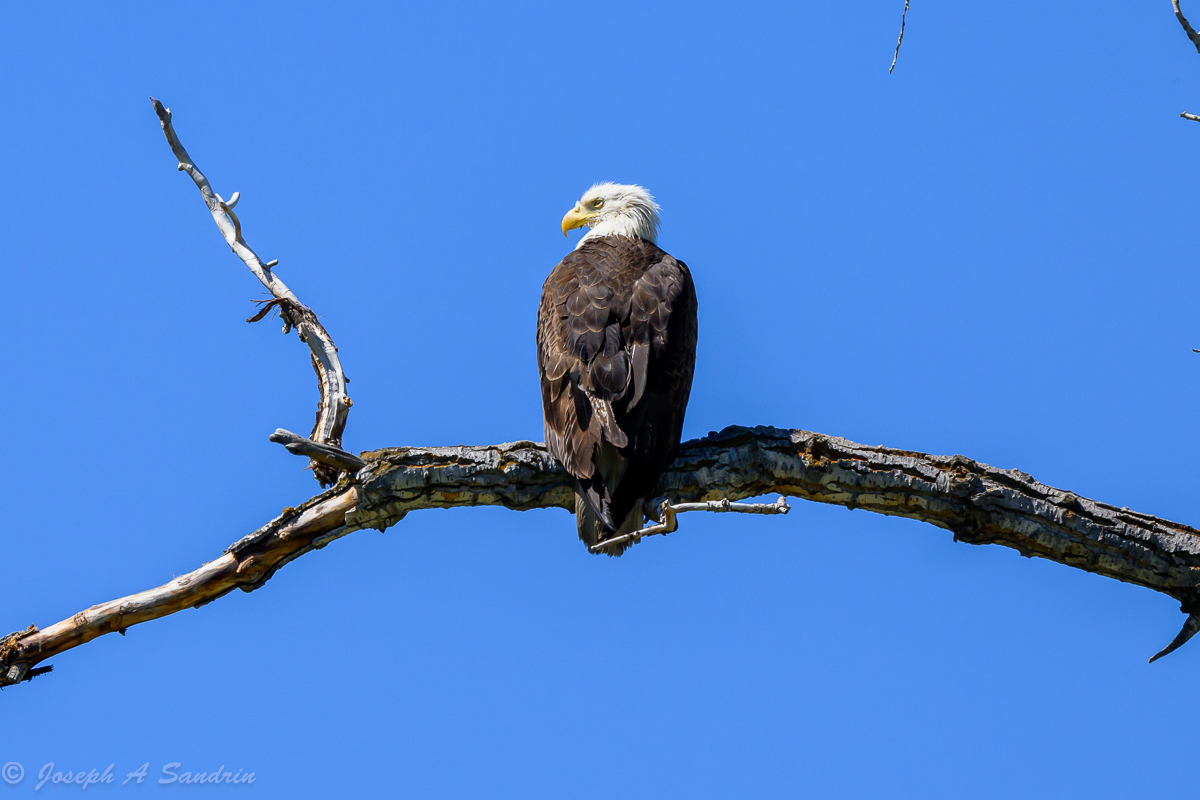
(592, 529)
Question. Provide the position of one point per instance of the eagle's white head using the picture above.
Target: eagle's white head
(614, 209)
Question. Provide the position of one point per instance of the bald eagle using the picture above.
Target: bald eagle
(616, 343)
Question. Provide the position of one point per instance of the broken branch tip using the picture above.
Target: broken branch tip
(1190, 626)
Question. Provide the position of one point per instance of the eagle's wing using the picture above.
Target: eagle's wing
(616, 347)
(663, 354)
(579, 358)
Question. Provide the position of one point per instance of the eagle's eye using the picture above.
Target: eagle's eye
(598, 202)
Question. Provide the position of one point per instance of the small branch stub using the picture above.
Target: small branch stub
(327, 454)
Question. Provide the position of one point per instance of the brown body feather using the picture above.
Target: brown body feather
(616, 351)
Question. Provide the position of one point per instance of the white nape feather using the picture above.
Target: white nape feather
(628, 210)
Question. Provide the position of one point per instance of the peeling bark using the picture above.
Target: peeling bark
(978, 503)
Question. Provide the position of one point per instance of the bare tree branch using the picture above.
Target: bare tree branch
(334, 404)
(1187, 28)
(978, 503)
(899, 41)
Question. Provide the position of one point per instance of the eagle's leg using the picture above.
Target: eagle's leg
(669, 524)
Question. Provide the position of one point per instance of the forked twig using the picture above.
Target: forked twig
(669, 524)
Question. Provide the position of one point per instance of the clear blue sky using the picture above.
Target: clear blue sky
(989, 252)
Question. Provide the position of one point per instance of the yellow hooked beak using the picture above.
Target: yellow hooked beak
(576, 218)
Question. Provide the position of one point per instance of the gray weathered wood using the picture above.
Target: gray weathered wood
(334, 403)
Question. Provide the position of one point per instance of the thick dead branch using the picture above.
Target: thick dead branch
(334, 404)
(978, 503)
